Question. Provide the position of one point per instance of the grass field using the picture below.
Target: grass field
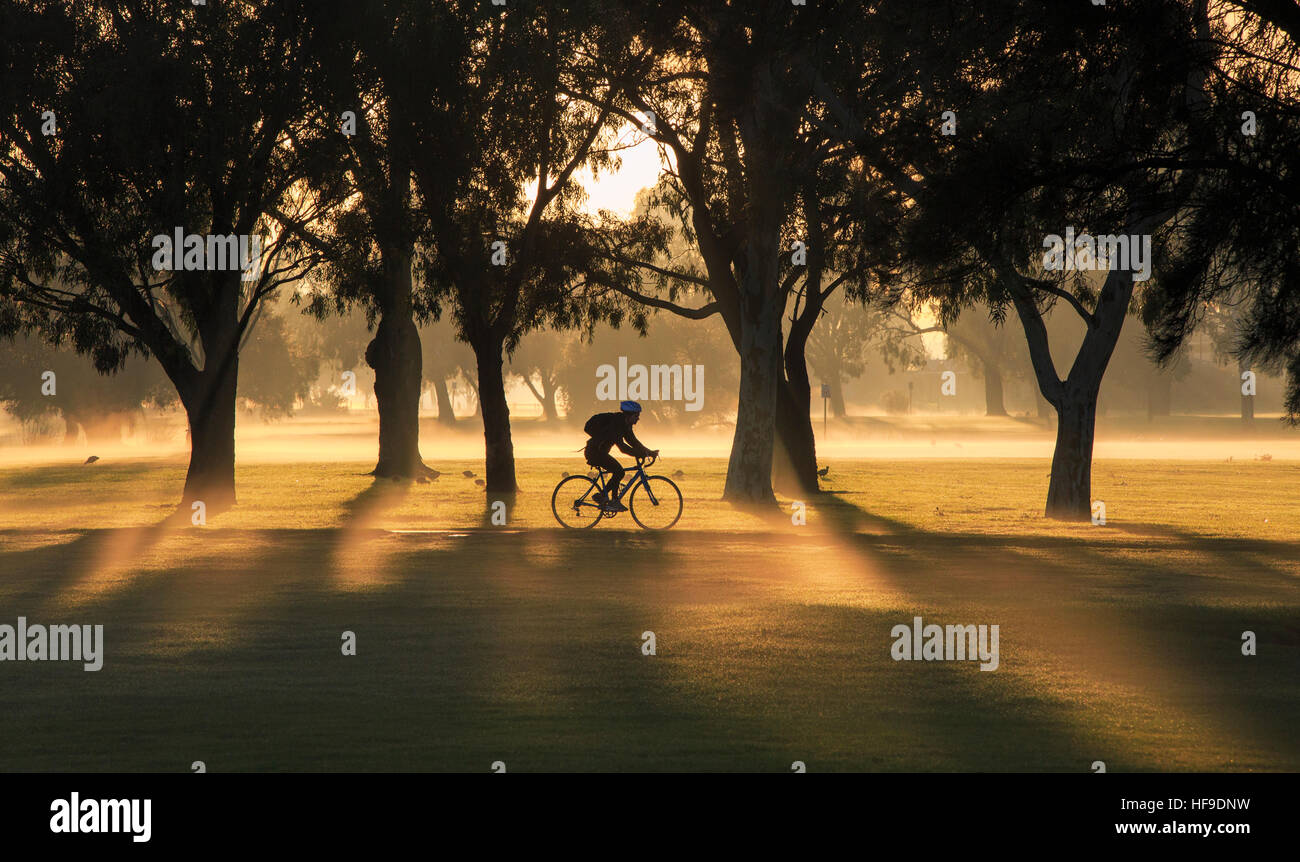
(523, 643)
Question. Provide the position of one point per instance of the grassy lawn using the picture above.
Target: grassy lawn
(523, 643)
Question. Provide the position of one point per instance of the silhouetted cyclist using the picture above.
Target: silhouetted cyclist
(614, 429)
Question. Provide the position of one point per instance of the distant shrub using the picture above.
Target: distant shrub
(894, 401)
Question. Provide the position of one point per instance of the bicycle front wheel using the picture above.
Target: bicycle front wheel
(656, 503)
(572, 503)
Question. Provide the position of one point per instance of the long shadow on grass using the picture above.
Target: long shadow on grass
(273, 688)
(94, 555)
(1239, 551)
(1153, 640)
(570, 687)
(382, 494)
(526, 648)
(752, 684)
(484, 649)
(1227, 592)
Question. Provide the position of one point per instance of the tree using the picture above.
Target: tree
(98, 405)
(728, 90)
(837, 348)
(1225, 323)
(444, 359)
(394, 92)
(537, 363)
(86, 210)
(279, 368)
(1230, 265)
(510, 251)
(1097, 113)
(840, 242)
(992, 351)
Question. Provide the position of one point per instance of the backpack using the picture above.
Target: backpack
(592, 428)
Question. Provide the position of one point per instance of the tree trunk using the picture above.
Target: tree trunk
(993, 401)
(796, 458)
(499, 448)
(1044, 408)
(1075, 398)
(395, 356)
(549, 408)
(765, 132)
(838, 409)
(446, 414)
(749, 469)
(1069, 494)
(478, 401)
(1247, 401)
(545, 396)
(1159, 395)
(71, 424)
(209, 403)
(209, 398)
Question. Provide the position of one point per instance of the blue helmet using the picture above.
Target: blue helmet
(630, 407)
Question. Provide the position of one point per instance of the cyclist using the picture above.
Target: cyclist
(614, 429)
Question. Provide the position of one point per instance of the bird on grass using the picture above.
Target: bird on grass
(678, 474)
(564, 475)
(480, 483)
(433, 474)
(823, 471)
(468, 474)
(91, 460)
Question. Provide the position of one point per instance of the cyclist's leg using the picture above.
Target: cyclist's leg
(609, 463)
(616, 477)
(605, 461)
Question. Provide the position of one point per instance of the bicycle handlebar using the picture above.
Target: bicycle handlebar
(648, 460)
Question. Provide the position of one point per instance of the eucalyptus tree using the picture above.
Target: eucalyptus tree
(1231, 269)
(1059, 162)
(511, 249)
(726, 93)
(393, 92)
(130, 129)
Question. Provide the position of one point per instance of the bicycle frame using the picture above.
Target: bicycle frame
(637, 477)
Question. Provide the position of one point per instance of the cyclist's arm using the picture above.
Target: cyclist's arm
(637, 449)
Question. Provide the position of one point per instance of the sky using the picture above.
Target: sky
(617, 190)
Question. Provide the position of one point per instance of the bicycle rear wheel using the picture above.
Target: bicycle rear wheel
(572, 504)
(656, 503)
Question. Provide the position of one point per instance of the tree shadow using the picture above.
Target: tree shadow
(1124, 621)
(382, 495)
(95, 555)
(497, 516)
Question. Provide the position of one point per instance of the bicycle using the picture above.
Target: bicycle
(654, 501)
